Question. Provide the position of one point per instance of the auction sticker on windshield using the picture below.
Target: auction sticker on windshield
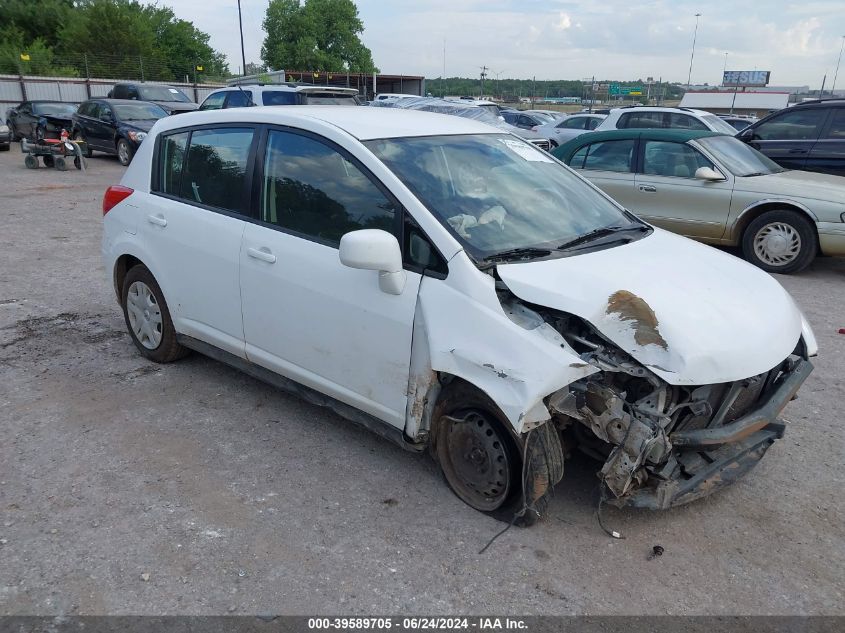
(525, 151)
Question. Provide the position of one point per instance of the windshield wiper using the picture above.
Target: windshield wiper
(526, 252)
(601, 232)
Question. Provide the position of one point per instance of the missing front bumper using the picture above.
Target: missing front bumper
(731, 450)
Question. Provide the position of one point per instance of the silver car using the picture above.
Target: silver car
(562, 130)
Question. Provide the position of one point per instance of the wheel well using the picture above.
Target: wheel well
(752, 214)
(124, 264)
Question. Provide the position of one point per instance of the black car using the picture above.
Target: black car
(115, 126)
(809, 136)
(171, 99)
(39, 119)
(523, 120)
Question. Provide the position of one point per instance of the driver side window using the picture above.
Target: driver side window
(663, 158)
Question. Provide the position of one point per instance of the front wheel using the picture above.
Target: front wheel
(124, 152)
(148, 318)
(780, 241)
(30, 161)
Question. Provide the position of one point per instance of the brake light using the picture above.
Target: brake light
(114, 195)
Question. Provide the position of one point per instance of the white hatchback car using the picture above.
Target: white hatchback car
(661, 117)
(452, 287)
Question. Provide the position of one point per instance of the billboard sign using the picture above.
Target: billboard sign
(746, 78)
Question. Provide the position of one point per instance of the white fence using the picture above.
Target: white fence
(16, 88)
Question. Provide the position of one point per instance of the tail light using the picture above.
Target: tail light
(114, 195)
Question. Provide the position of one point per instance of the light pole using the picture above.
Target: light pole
(838, 59)
(692, 55)
(241, 26)
(497, 80)
(724, 69)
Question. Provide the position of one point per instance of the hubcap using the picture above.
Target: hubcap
(144, 315)
(777, 244)
(478, 461)
(123, 152)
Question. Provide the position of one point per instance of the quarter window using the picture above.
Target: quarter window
(576, 123)
(837, 124)
(605, 156)
(792, 126)
(663, 158)
(215, 169)
(685, 122)
(312, 189)
(172, 158)
(214, 101)
(239, 99)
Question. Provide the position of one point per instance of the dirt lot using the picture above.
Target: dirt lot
(128, 487)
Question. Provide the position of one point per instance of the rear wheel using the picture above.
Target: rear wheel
(30, 161)
(124, 152)
(780, 241)
(48, 161)
(60, 163)
(148, 318)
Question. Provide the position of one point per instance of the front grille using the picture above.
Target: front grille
(542, 143)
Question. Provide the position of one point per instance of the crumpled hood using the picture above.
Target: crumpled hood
(690, 313)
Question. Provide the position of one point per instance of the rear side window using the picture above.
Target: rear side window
(172, 159)
(214, 101)
(213, 173)
(87, 108)
(278, 97)
(798, 125)
(312, 189)
(837, 125)
(641, 120)
(605, 156)
(239, 99)
(593, 123)
(576, 123)
(685, 122)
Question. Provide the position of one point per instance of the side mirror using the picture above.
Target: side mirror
(708, 173)
(374, 249)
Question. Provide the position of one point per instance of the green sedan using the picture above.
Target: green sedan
(714, 188)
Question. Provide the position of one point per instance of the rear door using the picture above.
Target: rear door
(670, 196)
(192, 226)
(610, 166)
(828, 154)
(101, 135)
(789, 136)
(306, 315)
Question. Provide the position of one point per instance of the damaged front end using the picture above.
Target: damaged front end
(665, 445)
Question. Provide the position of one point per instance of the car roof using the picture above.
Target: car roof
(364, 122)
(565, 151)
(122, 101)
(659, 109)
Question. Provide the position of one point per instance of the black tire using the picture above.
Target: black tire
(48, 161)
(462, 404)
(59, 163)
(168, 349)
(30, 161)
(124, 152)
(83, 145)
(780, 228)
(5, 147)
(77, 162)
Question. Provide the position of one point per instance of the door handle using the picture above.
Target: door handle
(158, 220)
(263, 254)
(798, 151)
(648, 188)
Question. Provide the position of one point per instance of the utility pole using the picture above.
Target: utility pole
(724, 69)
(241, 26)
(692, 55)
(484, 70)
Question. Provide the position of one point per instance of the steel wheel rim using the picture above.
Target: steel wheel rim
(144, 315)
(123, 152)
(478, 461)
(777, 244)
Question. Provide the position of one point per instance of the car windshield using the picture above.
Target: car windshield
(54, 109)
(497, 193)
(739, 158)
(162, 93)
(139, 111)
(717, 125)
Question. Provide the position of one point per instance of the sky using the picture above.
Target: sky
(556, 39)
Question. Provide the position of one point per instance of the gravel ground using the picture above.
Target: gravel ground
(132, 488)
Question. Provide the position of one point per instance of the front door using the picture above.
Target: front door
(788, 137)
(307, 316)
(670, 196)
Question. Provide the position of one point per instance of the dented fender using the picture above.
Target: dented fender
(515, 359)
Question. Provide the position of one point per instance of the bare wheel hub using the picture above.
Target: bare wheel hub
(478, 460)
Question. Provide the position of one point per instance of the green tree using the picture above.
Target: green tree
(315, 35)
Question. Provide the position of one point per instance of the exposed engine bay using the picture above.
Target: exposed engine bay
(663, 445)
